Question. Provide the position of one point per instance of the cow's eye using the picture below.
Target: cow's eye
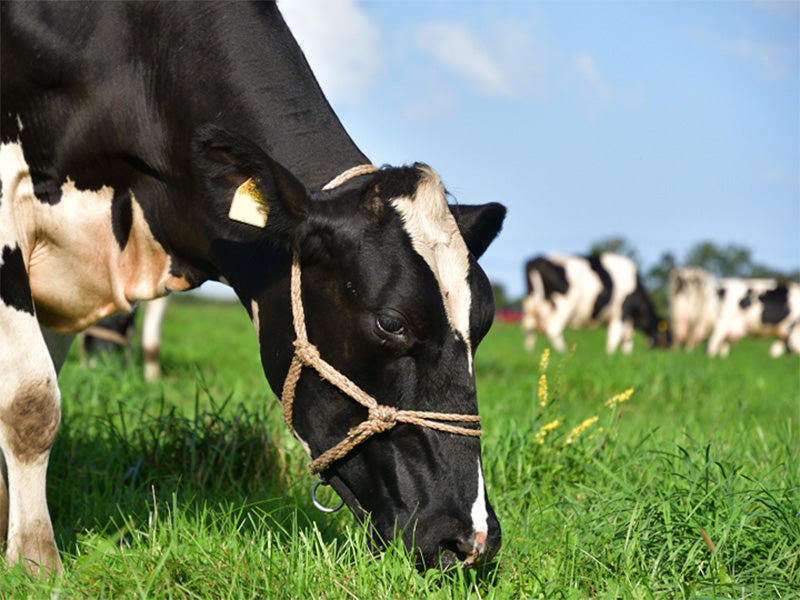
(390, 325)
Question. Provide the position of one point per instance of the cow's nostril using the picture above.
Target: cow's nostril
(463, 550)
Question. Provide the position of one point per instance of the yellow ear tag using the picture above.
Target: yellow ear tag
(249, 206)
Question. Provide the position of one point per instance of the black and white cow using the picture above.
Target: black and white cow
(116, 333)
(693, 305)
(756, 307)
(148, 147)
(566, 291)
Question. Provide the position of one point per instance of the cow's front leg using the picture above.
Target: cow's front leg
(627, 337)
(614, 335)
(28, 424)
(554, 329)
(30, 411)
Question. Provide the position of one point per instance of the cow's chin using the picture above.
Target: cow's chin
(442, 558)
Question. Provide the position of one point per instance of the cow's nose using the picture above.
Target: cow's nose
(472, 550)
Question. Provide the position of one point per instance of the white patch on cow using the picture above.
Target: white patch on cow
(479, 514)
(152, 320)
(256, 322)
(435, 237)
(693, 305)
(78, 273)
(254, 311)
(303, 443)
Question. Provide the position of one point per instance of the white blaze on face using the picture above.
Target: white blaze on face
(479, 514)
(435, 236)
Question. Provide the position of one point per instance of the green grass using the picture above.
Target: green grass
(193, 487)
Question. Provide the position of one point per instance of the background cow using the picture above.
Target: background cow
(757, 307)
(148, 147)
(693, 305)
(117, 332)
(576, 292)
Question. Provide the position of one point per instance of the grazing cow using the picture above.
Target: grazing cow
(757, 307)
(148, 147)
(577, 292)
(693, 305)
(116, 332)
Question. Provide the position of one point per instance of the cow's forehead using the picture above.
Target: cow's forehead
(436, 238)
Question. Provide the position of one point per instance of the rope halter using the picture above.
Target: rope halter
(380, 417)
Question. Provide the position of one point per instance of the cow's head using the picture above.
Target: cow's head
(394, 300)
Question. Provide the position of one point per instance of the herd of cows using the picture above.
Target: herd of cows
(565, 291)
(577, 292)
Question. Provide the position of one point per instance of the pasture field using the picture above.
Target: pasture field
(193, 488)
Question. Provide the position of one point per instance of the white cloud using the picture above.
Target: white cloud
(586, 67)
(340, 41)
(501, 62)
(459, 49)
(771, 58)
(767, 56)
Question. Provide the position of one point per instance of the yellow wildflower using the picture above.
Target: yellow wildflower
(619, 398)
(581, 428)
(545, 429)
(544, 360)
(542, 394)
(597, 432)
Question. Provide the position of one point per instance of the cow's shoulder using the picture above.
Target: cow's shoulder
(553, 275)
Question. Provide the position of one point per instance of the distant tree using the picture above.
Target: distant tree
(656, 280)
(733, 261)
(617, 245)
(729, 261)
(500, 298)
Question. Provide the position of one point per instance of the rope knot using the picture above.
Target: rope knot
(384, 417)
(307, 352)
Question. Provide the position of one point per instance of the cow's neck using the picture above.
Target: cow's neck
(277, 103)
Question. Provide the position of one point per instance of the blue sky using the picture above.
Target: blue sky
(667, 123)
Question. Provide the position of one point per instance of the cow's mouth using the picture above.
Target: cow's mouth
(457, 554)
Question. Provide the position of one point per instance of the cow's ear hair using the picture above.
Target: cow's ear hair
(479, 224)
(224, 161)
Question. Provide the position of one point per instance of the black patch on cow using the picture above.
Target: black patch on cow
(604, 297)
(721, 293)
(776, 305)
(122, 217)
(790, 348)
(747, 300)
(554, 277)
(15, 289)
(394, 183)
(45, 187)
(638, 307)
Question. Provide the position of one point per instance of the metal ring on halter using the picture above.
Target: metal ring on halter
(320, 505)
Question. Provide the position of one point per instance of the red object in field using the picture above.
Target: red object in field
(509, 315)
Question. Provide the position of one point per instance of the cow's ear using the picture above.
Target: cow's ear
(479, 225)
(249, 186)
